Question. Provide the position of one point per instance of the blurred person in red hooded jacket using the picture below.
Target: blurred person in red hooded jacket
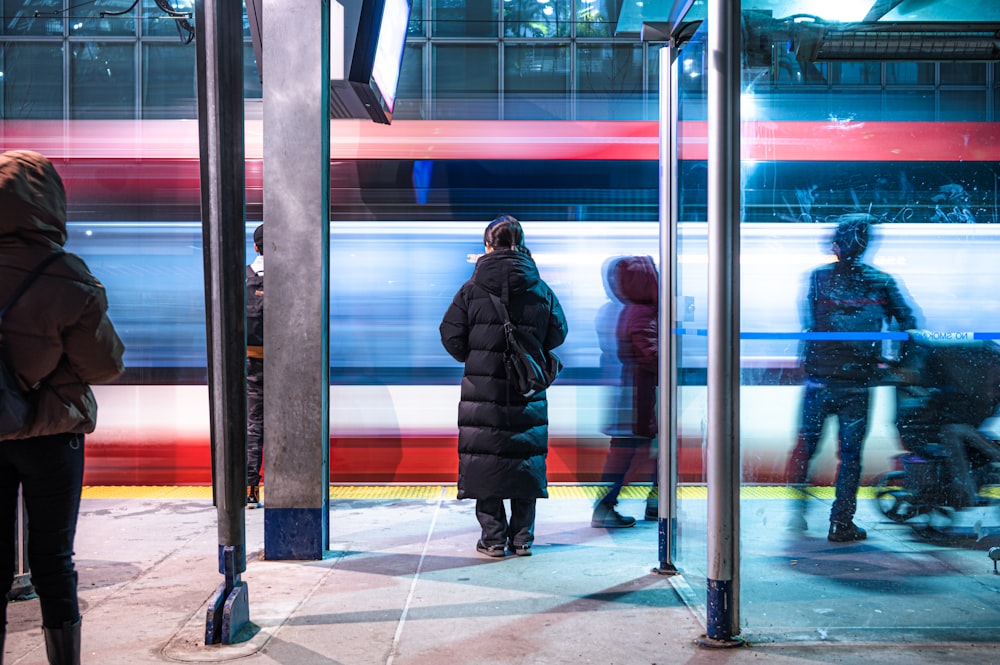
(632, 420)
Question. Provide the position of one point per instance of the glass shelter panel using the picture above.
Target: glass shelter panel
(869, 358)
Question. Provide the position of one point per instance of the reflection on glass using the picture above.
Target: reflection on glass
(32, 17)
(465, 77)
(609, 81)
(102, 18)
(168, 90)
(102, 80)
(536, 19)
(31, 81)
(536, 82)
(464, 18)
(158, 22)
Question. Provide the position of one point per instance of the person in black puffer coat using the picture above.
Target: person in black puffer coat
(502, 435)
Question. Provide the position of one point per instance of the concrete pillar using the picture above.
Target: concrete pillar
(295, 45)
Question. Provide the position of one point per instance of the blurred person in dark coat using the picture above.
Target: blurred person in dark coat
(847, 296)
(57, 339)
(633, 282)
(502, 435)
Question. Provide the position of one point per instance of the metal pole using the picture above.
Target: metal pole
(219, 38)
(667, 461)
(723, 322)
(22, 588)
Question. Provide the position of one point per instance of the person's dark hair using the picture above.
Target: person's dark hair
(258, 239)
(505, 232)
(851, 236)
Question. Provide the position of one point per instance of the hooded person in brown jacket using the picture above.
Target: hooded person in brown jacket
(57, 339)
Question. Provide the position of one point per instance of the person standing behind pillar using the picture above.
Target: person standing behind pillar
(846, 296)
(57, 341)
(633, 422)
(255, 369)
(502, 435)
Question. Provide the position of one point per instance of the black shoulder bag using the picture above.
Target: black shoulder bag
(529, 373)
(15, 403)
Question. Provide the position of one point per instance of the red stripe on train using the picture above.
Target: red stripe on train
(152, 141)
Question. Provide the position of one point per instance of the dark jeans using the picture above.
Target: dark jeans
(848, 401)
(255, 419)
(49, 470)
(496, 530)
(629, 459)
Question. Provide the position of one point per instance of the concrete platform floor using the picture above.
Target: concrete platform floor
(403, 585)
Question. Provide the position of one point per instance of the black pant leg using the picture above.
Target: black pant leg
(493, 519)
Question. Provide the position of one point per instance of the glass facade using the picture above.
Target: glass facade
(548, 110)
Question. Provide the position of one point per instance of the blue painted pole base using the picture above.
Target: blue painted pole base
(667, 539)
(229, 607)
(228, 614)
(720, 610)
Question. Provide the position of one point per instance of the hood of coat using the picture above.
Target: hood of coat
(516, 269)
(609, 275)
(32, 198)
(637, 281)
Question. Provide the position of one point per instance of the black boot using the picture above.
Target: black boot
(606, 517)
(63, 644)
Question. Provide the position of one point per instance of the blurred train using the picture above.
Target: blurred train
(408, 210)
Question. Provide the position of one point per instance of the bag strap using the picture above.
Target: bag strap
(27, 282)
(501, 310)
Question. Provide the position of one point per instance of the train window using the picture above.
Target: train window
(909, 73)
(962, 105)
(856, 73)
(903, 105)
(31, 84)
(963, 73)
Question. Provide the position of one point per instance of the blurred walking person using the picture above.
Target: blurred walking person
(846, 296)
(633, 282)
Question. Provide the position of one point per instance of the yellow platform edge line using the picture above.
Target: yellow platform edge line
(435, 492)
